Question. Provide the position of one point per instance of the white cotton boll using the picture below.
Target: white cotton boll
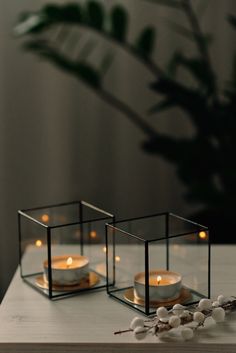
(215, 304)
(185, 314)
(163, 335)
(162, 312)
(218, 314)
(164, 319)
(187, 333)
(140, 332)
(174, 321)
(198, 317)
(136, 322)
(178, 309)
(221, 299)
(205, 304)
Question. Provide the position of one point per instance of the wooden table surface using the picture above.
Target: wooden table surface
(29, 322)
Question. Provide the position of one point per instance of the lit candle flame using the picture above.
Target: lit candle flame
(159, 278)
(38, 243)
(69, 261)
(202, 235)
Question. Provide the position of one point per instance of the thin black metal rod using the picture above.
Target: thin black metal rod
(107, 269)
(78, 222)
(81, 228)
(49, 206)
(114, 253)
(146, 279)
(20, 243)
(95, 208)
(124, 232)
(167, 243)
(49, 263)
(32, 219)
(141, 217)
(187, 220)
(209, 265)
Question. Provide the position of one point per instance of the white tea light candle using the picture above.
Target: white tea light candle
(163, 285)
(67, 269)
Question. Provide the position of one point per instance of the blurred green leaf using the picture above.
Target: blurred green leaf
(232, 20)
(230, 91)
(169, 3)
(81, 70)
(167, 146)
(165, 104)
(71, 13)
(52, 12)
(173, 64)
(23, 16)
(36, 22)
(87, 49)
(31, 23)
(187, 33)
(119, 23)
(203, 191)
(234, 69)
(198, 68)
(106, 62)
(190, 100)
(95, 14)
(146, 41)
(87, 73)
(202, 7)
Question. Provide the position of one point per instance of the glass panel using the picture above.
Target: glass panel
(189, 257)
(179, 225)
(128, 257)
(91, 212)
(33, 247)
(95, 246)
(56, 215)
(147, 228)
(177, 266)
(78, 254)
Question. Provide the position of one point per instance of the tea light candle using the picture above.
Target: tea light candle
(67, 269)
(163, 285)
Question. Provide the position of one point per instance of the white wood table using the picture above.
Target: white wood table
(29, 322)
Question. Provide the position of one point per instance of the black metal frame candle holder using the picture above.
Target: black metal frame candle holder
(157, 260)
(56, 243)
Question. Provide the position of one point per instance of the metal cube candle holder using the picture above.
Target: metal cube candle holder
(62, 248)
(157, 260)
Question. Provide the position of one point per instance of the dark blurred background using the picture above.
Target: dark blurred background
(60, 142)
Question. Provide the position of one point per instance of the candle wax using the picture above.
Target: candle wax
(67, 269)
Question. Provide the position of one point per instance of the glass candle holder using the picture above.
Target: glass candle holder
(62, 248)
(157, 260)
